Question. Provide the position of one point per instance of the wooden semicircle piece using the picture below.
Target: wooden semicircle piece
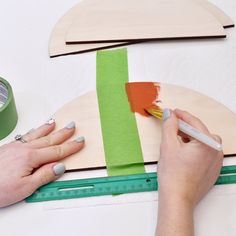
(224, 19)
(116, 21)
(58, 46)
(85, 112)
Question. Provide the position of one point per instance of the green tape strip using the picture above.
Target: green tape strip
(119, 129)
(8, 114)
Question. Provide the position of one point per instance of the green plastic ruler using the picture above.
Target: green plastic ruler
(111, 185)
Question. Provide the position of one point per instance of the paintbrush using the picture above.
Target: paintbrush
(187, 129)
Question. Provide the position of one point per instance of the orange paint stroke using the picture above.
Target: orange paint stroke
(142, 95)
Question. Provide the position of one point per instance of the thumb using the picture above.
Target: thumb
(47, 173)
(170, 126)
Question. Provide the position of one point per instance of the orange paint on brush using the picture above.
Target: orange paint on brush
(142, 95)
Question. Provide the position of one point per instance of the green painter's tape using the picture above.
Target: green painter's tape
(8, 114)
(119, 129)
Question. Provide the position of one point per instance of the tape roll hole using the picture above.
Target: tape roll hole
(3, 94)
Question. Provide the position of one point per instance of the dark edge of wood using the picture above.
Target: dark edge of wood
(143, 39)
(96, 49)
(129, 42)
(228, 26)
(146, 163)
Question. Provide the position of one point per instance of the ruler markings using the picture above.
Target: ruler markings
(111, 185)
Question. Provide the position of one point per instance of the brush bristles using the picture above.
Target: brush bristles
(155, 112)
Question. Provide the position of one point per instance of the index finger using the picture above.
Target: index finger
(169, 127)
(192, 120)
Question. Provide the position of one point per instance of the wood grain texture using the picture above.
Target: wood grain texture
(84, 111)
(58, 47)
(224, 19)
(116, 21)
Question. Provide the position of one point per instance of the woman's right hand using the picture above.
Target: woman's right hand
(187, 169)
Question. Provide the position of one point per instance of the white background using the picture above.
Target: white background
(42, 85)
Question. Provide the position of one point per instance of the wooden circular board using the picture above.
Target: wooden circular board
(85, 112)
(132, 20)
(58, 47)
(224, 19)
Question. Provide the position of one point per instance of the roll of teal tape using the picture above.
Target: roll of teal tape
(8, 113)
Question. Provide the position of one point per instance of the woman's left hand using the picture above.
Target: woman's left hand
(32, 161)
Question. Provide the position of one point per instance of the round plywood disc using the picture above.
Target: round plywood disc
(115, 21)
(85, 112)
(58, 47)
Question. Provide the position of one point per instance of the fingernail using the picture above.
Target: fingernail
(80, 139)
(71, 125)
(166, 114)
(59, 169)
(50, 121)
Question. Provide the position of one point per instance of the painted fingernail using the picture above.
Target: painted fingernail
(50, 121)
(80, 139)
(71, 125)
(59, 169)
(166, 114)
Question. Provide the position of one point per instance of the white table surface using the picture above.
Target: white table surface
(42, 85)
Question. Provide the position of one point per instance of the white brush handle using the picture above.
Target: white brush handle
(203, 138)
